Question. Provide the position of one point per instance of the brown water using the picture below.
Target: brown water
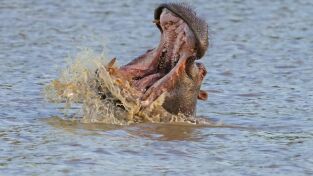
(260, 69)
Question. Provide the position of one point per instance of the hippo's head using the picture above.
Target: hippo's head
(171, 68)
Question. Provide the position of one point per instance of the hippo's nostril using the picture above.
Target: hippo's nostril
(157, 22)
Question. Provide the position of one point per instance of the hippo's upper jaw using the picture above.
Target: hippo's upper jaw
(171, 66)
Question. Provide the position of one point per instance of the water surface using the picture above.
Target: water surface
(260, 68)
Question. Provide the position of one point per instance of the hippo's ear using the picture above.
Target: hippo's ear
(203, 95)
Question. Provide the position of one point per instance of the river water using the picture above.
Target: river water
(260, 68)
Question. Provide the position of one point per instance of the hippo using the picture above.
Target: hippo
(161, 85)
(171, 67)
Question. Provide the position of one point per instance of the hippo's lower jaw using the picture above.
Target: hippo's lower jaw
(169, 68)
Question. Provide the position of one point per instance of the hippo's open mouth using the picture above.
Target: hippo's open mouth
(119, 95)
(184, 38)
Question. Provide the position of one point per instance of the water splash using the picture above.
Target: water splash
(106, 96)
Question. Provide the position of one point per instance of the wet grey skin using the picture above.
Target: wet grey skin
(170, 68)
